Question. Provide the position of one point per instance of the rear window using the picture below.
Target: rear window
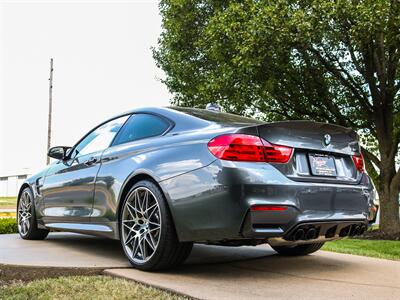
(218, 117)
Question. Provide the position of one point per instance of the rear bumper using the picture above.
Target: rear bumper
(212, 204)
(262, 224)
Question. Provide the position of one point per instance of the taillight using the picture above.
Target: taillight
(243, 147)
(359, 162)
(240, 147)
(276, 153)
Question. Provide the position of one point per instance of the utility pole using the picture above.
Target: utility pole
(50, 110)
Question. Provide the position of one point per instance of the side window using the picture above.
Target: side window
(141, 126)
(100, 138)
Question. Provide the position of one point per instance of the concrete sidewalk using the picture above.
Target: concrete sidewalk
(62, 250)
(323, 275)
(213, 272)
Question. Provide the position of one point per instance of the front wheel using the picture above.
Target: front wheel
(26, 218)
(298, 250)
(147, 231)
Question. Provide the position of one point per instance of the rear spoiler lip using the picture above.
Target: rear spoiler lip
(299, 122)
(307, 135)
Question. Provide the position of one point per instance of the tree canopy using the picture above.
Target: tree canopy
(335, 61)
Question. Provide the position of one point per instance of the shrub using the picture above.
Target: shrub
(8, 225)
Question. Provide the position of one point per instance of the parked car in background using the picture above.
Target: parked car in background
(373, 206)
(161, 179)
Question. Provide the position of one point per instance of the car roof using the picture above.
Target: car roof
(186, 118)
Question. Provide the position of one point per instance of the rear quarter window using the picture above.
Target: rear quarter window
(140, 126)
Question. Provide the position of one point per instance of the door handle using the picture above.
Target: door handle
(91, 161)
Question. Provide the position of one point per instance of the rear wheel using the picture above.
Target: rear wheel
(26, 218)
(147, 231)
(298, 250)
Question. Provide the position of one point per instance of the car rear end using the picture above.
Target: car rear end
(300, 181)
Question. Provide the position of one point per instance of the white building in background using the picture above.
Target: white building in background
(11, 182)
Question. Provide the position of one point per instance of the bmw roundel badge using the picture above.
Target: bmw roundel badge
(327, 139)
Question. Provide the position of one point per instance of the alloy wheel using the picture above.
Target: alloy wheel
(24, 213)
(141, 225)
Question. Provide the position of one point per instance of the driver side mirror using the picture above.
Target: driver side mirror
(58, 152)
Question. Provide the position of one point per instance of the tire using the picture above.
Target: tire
(298, 250)
(147, 231)
(26, 218)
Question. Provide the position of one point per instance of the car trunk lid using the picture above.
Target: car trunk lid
(321, 152)
(311, 135)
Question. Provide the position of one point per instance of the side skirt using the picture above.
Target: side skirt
(107, 230)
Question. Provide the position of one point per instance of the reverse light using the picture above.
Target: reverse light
(268, 208)
(358, 162)
(243, 147)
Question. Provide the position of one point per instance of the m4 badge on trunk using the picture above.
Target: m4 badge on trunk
(327, 139)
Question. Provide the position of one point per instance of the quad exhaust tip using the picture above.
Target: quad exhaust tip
(357, 230)
(305, 234)
(311, 233)
(360, 229)
(299, 234)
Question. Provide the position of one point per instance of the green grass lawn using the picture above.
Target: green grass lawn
(8, 202)
(83, 287)
(7, 226)
(372, 248)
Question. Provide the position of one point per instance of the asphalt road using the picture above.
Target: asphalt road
(213, 272)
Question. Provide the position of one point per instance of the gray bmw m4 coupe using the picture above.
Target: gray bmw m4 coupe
(161, 179)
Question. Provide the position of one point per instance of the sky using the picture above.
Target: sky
(103, 66)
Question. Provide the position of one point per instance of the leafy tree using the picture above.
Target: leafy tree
(335, 61)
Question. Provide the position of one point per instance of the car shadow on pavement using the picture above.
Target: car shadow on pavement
(210, 260)
(217, 261)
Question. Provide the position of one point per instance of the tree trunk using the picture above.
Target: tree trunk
(388, 182)
(389, 209)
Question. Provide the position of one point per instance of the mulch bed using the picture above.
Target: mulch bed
(13, 274)
(378, 235)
